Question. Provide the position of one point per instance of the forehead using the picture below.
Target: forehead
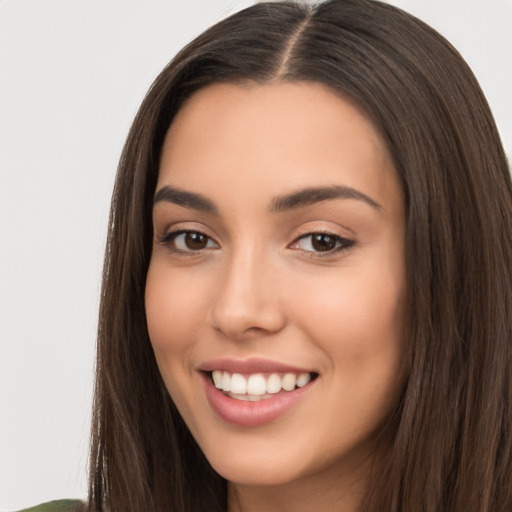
(283, 135)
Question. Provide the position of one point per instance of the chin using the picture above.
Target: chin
(256, 461)
(251, 474)
(291, 459)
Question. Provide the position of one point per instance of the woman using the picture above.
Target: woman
(307, 281)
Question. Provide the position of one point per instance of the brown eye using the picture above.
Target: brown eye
(322, 242)
(318, 243)
(188, 241)
(195, 241)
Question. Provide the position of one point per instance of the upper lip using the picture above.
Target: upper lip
(253, 365)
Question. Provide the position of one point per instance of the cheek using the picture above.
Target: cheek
(358, 322)
(355, 309)
(172, 310)
(172, 318)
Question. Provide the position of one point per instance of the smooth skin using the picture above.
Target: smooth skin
(244, 278)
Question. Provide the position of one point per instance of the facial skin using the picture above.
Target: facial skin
(258, 287)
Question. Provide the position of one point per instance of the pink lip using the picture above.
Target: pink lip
(254, 365)
(252, 414)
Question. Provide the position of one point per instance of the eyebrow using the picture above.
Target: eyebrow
(185, 199)
(309, 196)
(305, 197)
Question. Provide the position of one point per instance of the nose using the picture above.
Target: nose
(247, 302)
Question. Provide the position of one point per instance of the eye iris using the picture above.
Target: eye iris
(322, 242)
(196, 240)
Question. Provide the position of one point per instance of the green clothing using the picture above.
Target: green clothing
(57, 506)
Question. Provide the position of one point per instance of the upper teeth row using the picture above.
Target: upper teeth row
(257, 384)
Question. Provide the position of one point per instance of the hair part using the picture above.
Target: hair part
(451, 447)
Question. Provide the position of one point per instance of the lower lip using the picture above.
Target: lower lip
(252, 414)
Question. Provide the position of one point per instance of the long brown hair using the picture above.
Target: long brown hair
(451, 447)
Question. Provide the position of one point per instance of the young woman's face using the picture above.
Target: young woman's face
(278, 268)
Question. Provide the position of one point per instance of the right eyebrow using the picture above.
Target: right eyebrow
(185, 199)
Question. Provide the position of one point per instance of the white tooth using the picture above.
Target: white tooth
(226, 381)
(274, 383)
(254, 398)
(303, 379)
(289, 381)
(217, 378)
(238, 384)
(243, 398)
(256, 384)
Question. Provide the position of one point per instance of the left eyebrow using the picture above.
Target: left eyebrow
(309, 196)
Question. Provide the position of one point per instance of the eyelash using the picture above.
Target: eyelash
(169, 241)
(341, 243)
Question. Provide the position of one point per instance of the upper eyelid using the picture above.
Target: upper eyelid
(180, 231)
(328, 227)
(184, 227)
(319, 231)
(334, 235)
(326, 231)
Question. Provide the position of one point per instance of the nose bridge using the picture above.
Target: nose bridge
(246, 300)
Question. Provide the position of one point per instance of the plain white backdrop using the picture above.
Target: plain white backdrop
(72, 75)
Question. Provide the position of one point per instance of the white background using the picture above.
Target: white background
(72, 75)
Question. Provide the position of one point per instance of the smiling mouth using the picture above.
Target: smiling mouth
(259, 386)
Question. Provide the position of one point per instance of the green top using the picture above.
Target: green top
(57, 506)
